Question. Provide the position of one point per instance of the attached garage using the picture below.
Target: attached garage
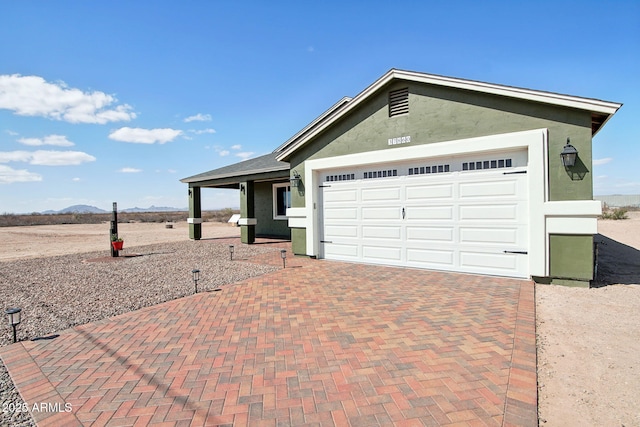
(427, 171)
(473, 221)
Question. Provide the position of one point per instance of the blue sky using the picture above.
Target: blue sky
(119, 100)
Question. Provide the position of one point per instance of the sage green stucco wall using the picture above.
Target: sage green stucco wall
(439, 114)
(571, 257)
(263, 211)
(299, 241)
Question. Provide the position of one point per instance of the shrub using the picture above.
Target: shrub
(615, 214)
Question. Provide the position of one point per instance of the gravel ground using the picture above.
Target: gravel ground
(57, 293)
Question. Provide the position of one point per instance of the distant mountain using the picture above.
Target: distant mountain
(77, 209)
(93, 209)
(154, 209)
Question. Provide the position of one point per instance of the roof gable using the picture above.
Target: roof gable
(601, 111)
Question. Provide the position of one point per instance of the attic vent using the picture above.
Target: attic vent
(398, 102)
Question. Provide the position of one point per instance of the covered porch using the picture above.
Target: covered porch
(265, 195)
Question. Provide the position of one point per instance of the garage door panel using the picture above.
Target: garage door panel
(341, 231)
(430, 234)
(341, 251)
(381, 232)
(380, 213)
(488, 235)
(381, 253)
(341, 213)
(417, 193)
(472, 261)
(345, 195)
(431, 257)
(381, 194)
(429, 212)
(488, 212)
(492, 189)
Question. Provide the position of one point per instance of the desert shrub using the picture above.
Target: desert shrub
(615, 214)
(15, 220)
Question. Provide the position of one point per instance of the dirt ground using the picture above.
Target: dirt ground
(50, 240)
(588, 339)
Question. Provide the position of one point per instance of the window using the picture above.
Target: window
(487, 164)
(281, 200)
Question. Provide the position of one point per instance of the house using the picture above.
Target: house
(426, 171)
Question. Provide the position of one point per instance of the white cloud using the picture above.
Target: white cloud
(58, 140)
(244, 155)
(47, 158)
(60, 158)
(236, 147)
(172, 171)
(129, 170)
(33, 96)
(75, 179)
(598, 162)
(145, 136)
(12, 133)
(9, 175)
(202, 131)
(198, 118)
(224, 152)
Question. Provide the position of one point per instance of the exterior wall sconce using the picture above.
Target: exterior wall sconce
(231, 249)
(189, 192)
(196, 277)
(283, 255)
(242, 189)
(14, 315)
(295, 179)
(569, 155)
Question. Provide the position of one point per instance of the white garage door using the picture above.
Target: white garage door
(466, 221)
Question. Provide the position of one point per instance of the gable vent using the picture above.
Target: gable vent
(398, 102)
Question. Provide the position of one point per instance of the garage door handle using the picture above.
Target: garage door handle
(402, 213)
(517, 252)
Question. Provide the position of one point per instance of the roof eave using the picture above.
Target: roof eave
(593, 105)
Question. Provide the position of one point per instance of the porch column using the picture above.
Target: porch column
(195, 214)
(247, 220)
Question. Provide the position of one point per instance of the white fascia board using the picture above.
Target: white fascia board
(573, 208)
(593, 105)
(297, 217)
(573, 225)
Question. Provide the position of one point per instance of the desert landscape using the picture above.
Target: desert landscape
(588, 339)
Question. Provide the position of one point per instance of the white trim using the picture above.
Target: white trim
(297, 217)
(593, 105)
(572, 225)
(535, 142)
(572, 217)
(194, 220)
(247, 221)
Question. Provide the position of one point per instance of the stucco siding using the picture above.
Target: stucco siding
(440, 114)
(267, 226)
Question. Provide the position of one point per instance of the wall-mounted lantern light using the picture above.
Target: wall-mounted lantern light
(283, 255)
(189, 192)
(14, 315)
(569, 155)
(231, 249)
(196, 277)
(295, 179)
(242, 189)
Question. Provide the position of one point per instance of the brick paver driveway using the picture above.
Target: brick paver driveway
(318, 343)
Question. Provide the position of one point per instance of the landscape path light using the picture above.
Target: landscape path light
(283, 255)
(231, 249)
(196, 277)
(14, 315)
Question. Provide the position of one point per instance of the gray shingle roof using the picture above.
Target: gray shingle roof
(262, 167)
